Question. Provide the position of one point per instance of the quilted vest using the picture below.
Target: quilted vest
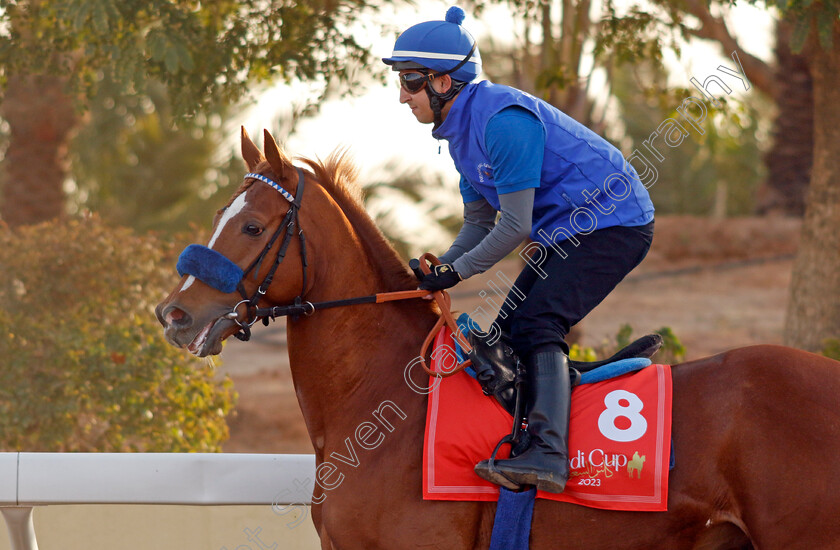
(585, 183)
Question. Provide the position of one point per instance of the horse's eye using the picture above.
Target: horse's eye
(252, 229)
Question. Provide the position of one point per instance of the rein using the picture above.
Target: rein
(441, 297)
(300, 306)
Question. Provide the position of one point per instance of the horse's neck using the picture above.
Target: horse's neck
(346, 366)
(348, 363)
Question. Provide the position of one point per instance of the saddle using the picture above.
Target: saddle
(499, 370)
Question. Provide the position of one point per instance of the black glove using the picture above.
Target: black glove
(442, 276)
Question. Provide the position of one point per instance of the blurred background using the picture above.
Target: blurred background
(119, 136)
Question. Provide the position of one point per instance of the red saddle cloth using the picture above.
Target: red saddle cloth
(619, 439)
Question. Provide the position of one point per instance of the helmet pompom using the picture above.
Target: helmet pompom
(455, 15)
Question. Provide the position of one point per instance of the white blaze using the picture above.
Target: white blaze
(234, 209)
(188, 283)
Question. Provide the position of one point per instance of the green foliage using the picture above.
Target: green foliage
(200, 50)
(812, 18)
(622, 337)
(135, 168)
(580, 353)
(85, 367)
(717, 171)
(832, 348)
(635, 37)
(672, 350)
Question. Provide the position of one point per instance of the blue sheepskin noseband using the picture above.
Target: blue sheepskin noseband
(210, 267)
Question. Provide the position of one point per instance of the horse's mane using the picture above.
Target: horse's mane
(337, 175)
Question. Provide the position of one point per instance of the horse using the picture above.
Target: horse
(756, 430)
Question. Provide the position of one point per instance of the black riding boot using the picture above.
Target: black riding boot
(546, 462)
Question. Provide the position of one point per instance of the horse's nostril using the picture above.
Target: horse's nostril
(177, 316)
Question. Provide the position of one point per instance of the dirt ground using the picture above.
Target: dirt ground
(718, 284)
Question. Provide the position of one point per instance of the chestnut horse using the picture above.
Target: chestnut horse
(756, 431)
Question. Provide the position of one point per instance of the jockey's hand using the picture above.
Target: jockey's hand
(442, 276)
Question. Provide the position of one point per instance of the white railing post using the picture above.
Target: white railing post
(21, 527)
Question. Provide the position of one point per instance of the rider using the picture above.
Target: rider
(553, 180)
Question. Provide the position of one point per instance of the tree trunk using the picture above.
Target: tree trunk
(41, 116)
(789, 160)
(813, 314)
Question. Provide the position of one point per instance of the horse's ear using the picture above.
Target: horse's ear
(278, 162)
(250, 152)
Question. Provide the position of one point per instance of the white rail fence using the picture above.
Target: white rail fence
(201, 479)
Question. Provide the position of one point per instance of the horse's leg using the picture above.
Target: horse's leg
(326, 543)
(394, 516)
(318, 521)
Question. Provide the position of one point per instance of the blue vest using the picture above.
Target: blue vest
(585, 183)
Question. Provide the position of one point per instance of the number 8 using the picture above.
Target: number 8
(606, 422)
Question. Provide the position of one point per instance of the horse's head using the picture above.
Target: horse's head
(222, 282)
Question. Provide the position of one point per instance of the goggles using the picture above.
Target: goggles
(414, 82)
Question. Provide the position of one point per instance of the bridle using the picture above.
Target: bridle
(299, 306)
(286, 228)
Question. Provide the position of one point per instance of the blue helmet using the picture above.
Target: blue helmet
(440, 46)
